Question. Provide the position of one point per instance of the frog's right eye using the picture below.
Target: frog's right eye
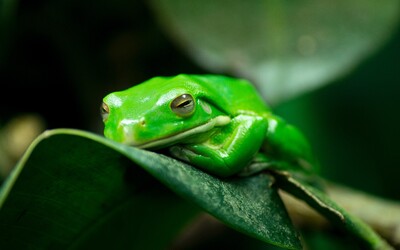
(183, 105)
(104, 111)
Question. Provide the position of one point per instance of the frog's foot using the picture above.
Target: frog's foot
(197, 155)
(183, 153)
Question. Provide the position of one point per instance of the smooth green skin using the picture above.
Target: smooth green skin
(230, 123)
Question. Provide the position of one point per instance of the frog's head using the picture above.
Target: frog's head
(160, 112)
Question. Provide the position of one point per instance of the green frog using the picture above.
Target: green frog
(214, 122)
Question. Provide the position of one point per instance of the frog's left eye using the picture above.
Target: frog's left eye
(183, 105)
(104, 111)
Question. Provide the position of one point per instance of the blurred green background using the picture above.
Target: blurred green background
(59, 58)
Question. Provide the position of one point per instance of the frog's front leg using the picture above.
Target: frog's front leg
(229, 150)
(285, 143)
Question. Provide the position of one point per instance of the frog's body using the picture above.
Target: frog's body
(214, 122)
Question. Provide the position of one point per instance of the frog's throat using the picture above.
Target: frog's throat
(218, 121)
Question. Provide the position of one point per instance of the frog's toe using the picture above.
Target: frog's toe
(181, 153)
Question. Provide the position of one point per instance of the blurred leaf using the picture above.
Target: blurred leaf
(361, 232)
(75, 187)
(284, 47)
(309, 187)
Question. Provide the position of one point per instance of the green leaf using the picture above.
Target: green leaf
(72, 191)
(77, 189)
(284, 47)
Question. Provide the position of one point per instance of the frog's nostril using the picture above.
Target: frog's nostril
(142, 122)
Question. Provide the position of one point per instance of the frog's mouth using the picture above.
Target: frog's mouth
(218, 121)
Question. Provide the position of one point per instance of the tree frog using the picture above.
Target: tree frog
(214, 122)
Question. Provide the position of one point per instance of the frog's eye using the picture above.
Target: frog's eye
(104, 111)
(183, 105)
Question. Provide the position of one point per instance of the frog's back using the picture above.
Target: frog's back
(234, 96)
